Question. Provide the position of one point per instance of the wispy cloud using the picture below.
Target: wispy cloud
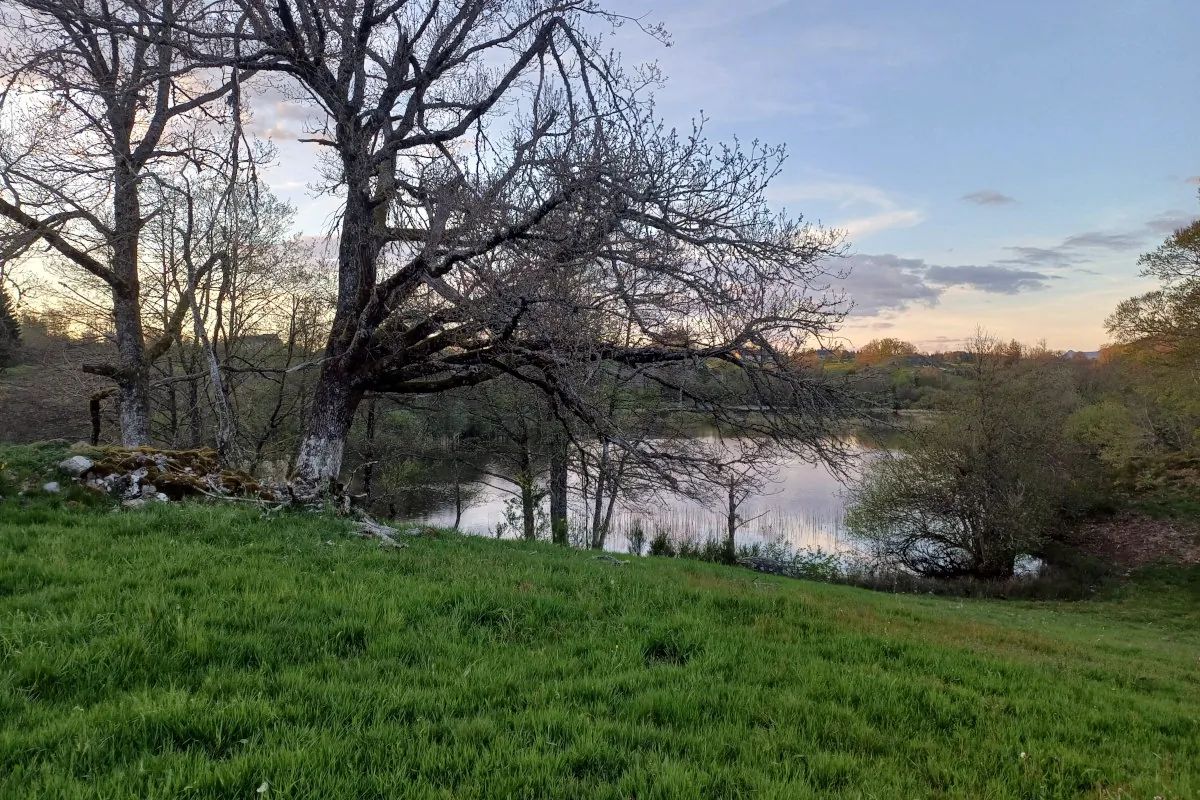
(862, 209)
(1102, 241)
(1040, 256)
(1083, 247)
(1170, 221)
(988, 197)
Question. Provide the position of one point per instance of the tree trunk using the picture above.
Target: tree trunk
(369, 467)
(598, 532)
(559, 532)
(335, 398)
(195, 416)
(528, 508)
(133, 383)
(731, 526)
(458, 500)
(324, 442)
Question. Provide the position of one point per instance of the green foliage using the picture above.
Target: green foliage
(987, 481)
(1160, 336)
(880, 350)
(1111, 429)
(208, 652)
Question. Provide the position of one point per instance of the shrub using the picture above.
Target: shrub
(987, 482)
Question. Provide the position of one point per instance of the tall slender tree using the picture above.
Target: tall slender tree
(96, 99)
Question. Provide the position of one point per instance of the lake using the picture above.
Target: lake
(804, 506)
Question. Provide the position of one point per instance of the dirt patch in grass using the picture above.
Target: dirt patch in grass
(1134, 540)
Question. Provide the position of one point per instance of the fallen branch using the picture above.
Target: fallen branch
(370, 529)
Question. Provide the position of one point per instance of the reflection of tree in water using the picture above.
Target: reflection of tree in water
(409, 460)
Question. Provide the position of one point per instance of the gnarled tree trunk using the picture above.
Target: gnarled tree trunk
(320, 459)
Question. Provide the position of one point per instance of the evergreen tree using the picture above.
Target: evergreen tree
(10, 331)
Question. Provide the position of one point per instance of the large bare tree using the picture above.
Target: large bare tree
(96, 99)
(511, 206)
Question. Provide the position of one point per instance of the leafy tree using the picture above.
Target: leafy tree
(1158, 334)
(989, 479)
(878, 351)
(1167, 319)
(1112, 429)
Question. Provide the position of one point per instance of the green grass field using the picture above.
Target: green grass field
(204, 651)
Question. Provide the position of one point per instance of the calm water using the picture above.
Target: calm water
(804, 506)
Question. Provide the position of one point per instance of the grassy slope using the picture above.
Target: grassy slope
(200, 651)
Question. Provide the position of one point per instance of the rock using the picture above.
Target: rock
(135, 503)
(135, 480)
(75, 466)
(149, 490)
(162, 498)
(51, 487)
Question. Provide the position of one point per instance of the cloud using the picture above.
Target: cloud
(877, 283)
(280, 116)
(867, 209)
(1040, 256)
(993, 279)
(884, 220)
(1104, 241)
(943, 342)
(884, 283)
(1078, 248)
(987, 197)
(1170, 221)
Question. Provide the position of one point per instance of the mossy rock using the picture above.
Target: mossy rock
(178, 473)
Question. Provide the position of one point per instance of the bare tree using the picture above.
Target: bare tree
(512, 207)
(96, 99)
(742, 470)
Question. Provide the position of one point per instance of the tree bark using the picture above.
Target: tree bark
(320, 459)
(335, 397)
(369, 468)
(559, 531)
(133, 402)
(528, 508)
(133, 383)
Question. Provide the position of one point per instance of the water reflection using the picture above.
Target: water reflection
(804, 506)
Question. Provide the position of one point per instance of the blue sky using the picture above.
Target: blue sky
(999, 164)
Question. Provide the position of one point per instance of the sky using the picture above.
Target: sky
(994, 164)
